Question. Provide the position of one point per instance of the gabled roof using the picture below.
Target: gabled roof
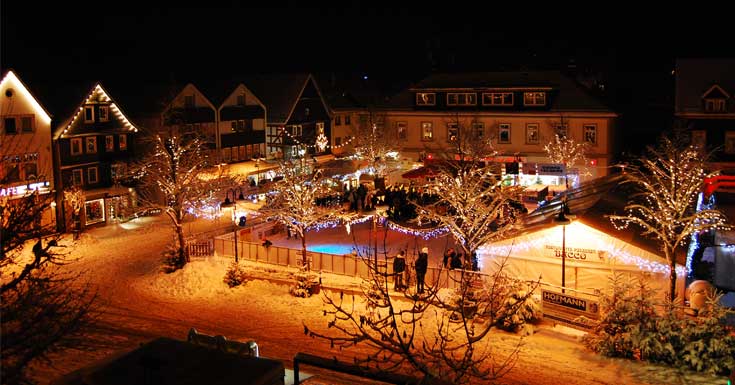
(280, 93)
(13, 81)
(694, 77)
(570, 96)
(73, 121)
(715, 92)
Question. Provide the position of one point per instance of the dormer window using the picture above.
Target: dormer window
(461, 99)
(714, 105)
(715, 100)
(88, 114)
(104, 114)
(534, 98)
(497, 99)
(425, 99)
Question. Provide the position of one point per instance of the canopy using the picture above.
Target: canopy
(591, 257)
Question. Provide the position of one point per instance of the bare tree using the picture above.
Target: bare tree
(439, 334)
(294, 203)
(564, 150)
(375, 142)
(74, 197)
(668, 180)
(42, 307)
(176, 175)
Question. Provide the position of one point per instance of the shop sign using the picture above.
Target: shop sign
(568, 308)
(529, 168)
(551, 169)
(576, 253)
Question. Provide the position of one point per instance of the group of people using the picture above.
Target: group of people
(420, 265)
(453, 260)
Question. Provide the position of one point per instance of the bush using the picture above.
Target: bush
(630, 327)
(517, 308)
(235, 275)
(306, 284)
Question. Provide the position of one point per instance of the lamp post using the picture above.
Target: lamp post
(233, 205)
(563, 221)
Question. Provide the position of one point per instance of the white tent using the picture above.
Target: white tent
(590, 258)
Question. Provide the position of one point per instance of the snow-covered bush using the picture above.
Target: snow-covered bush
(172, 259)
(306, 284)
(518, 309)
(235, 275)
(630, 327)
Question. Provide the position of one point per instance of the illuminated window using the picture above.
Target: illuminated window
(88, 114)
(461, 99)
(402, 129)
(109, 143)
(92, 176)
(320, 128)
(478, 129)
(504, 133)
(590, 133)
(532, 134)
(91, 144)
(26, 124)
(77, 177)
(561, 130)
(497, 99)
(104, 113)
(123, 142)
(117, 171)
(730, 142)
(425, 99)
(10, 128)
(534, 98)
(76, 146)
(427, 131)
(452, 132)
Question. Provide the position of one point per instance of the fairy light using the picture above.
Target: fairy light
(12, 81)
(324, 141)
(425, 234)
(98, 93)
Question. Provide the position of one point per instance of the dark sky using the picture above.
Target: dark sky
(139, 40)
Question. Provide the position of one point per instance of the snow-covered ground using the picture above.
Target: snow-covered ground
(139, 303)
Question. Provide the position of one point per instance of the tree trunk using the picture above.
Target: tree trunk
(304, 259)
(670, 256)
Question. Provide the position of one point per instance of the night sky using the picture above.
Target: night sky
(146, 42)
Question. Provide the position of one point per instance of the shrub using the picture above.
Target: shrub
(306, 284)
(517, 308)
(235, 275)
(630, 327)
(172, 261)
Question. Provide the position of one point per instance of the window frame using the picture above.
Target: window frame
(80, 144)
(491, 95)
(729, 148)
(347, 120)
(452, 126)
(103, 117)
(122, 142)
(714, 105)
(88, 110)
(422, 98)
(402, 130)
(15, 126)
(478, 127)
(584, 133)
(109, 143)
(32, 126)
(561, 129)
(534, 95)
(337, 120)
(96, 175)
(240, 100)
(504, 127)
(77, 172)
(424, 126)
(90, 140)
(535, 127)
(458, 96)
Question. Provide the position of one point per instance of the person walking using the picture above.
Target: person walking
(399, 265)
(421, 265)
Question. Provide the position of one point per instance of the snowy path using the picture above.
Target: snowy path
(140, 303)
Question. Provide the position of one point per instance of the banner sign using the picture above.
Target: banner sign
(551, 169)
(575, 253)
(567, 308)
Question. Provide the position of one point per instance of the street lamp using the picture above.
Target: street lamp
(562, 220)
(233, 205)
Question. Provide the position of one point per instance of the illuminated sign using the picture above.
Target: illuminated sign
(551, 169)
(576, 253)
(568, 308)
(19, 191)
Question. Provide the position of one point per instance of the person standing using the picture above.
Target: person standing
(421, 265)
(399, 265)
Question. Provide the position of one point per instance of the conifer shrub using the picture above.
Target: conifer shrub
(235, 275)
(632, 325)
(172, 261)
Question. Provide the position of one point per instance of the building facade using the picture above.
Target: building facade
(25, 146)
(518, 112)
(94, 146)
